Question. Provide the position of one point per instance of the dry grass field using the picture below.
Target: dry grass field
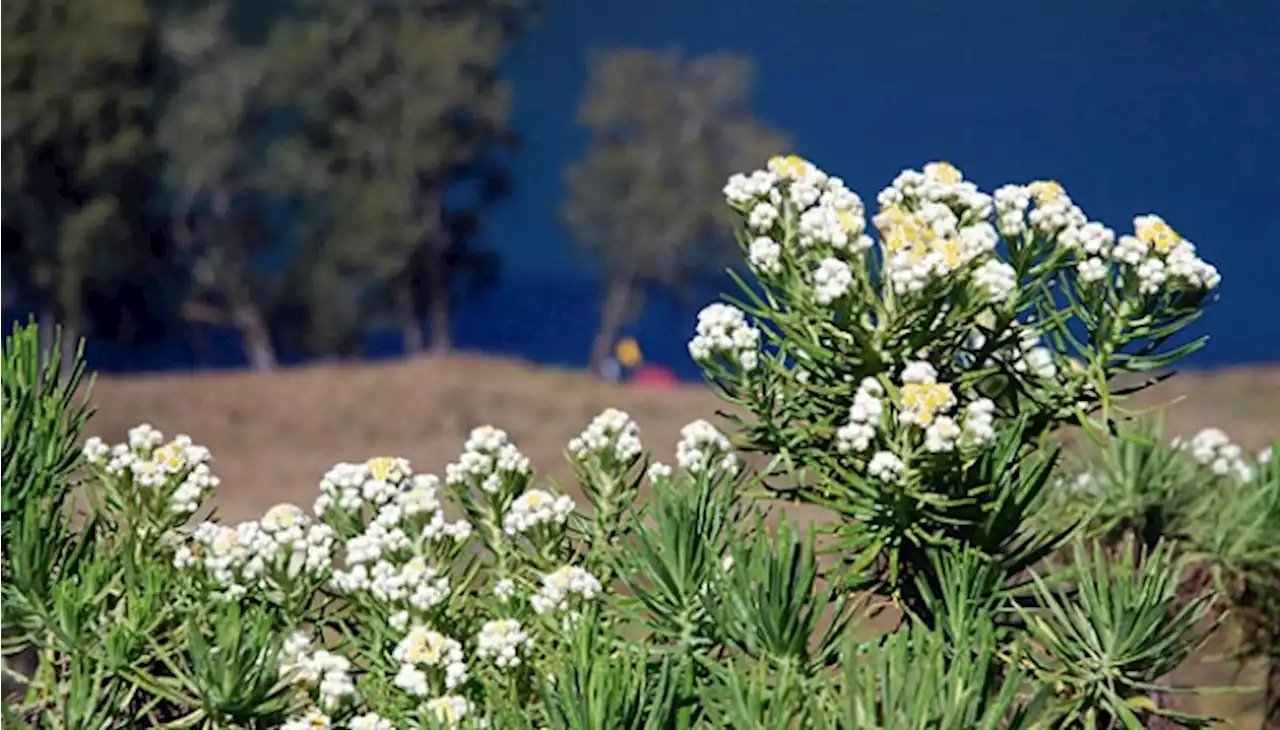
(274, 435)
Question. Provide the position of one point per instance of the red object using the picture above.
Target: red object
(654, 376)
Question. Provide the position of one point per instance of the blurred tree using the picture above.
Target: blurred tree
(395, 101)
(77, 155)
(645, 203)
(213, 133)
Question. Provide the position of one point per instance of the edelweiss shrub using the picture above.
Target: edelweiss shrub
(903, 366)
(902, 370)
(397, 615)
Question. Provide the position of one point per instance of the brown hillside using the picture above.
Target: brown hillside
(274, 435)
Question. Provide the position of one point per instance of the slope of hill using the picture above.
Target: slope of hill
(274, 435)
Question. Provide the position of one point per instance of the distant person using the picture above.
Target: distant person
(637, 373)
(628, 353)
(611, 370)
(654, 377)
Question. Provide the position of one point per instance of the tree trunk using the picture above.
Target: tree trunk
(410, 325)
(48, 325)
(1271, 720)
(435, 263)
(256, 336)
(442, 323)
(613, 312)
(70, 346)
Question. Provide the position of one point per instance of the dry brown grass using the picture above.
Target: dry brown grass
(274, 435)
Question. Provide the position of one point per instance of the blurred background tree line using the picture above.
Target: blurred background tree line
(304, 173)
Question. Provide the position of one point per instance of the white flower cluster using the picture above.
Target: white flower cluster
(487, 457)
(723, 329)
(423, 649)
(502, 640)
(932, 224)
(765, 256)
(371, 721)
(265, 554)
(832, 280)
(702, 443)
(925, 402)
(612, 432)
(536, 507)
(1156, 254)
(179, 468)
(389, 558)
(831, 222)
(322, 671)
(885, 466)
(659, 472)
(557, 587)
(1159, 257)
(1053, 213)
(349, 487)
(864, 418)
(1212, 448)
(937, 182)
(449, 710)
(313, 719)
(1094, 244)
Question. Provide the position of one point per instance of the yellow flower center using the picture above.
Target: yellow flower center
(284, 515)
(562, 577)
(225, 543)
(1157, 234)
(1046, 191)
(790, 167)
(381, 467)
(848, 221)
(424, 648)
(924, 400)
(952, 252)
(944, 172)
(912, 236)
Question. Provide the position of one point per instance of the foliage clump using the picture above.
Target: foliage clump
(909, 384)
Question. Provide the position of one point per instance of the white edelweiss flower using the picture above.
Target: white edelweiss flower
(1212, 448)
(997, 280)
(558, 586)
(765, 256)
(700, 442)
(885, 466)
(502, 641)
(1092, 270)
(312, 720)
(659, 471)
(612, 431)
(536, 507)
(744, 189)
(940, 436)
(424, 647)
(763, 217)
(864, 414)
(371, 721)
(487, 456)
(832, 280)
(979, 422)
(96, 451)
(722, 329)
(449, 710)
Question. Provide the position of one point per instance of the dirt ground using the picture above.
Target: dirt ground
(274, 435)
